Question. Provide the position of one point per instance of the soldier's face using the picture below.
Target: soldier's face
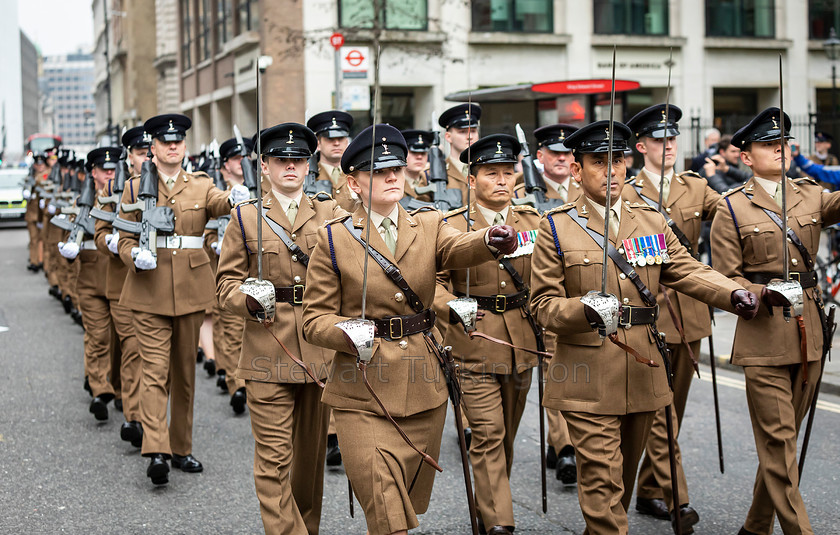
(493, 184)
(388, 188)
(233, 165)
(415, 162)
(169, 152)
(332, 148)
(765, 158)
(101, 176)
(39, 167)
(137, 156)
(461, 138)
(592, 176)
(285, 174)
(555, 164)
(652, 149)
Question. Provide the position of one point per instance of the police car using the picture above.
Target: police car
(12, 203)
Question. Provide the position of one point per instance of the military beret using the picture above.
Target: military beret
(231, 148)
(461, 116)
(136, 138)
(104, 157)
(388, 146)
(287, 140)
(168, 127)
(333, 123)
(554, 136)
(822, 137)
(594, 138)
(418, 140)
(651, 122)
(495, 148)
(764, 127)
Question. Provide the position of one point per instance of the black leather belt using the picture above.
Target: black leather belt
(631, 315)
(808, 279)
(396, 327)
(289, 294)
(499, 304)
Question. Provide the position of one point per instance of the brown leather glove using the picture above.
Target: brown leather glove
(773, 299)
(503, 238)
(745, 303)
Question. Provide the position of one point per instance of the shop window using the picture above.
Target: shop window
(631, 17)
(740, 18)
(532, 16)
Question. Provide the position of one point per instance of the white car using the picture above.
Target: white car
(12, 203)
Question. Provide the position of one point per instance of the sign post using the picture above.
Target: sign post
(337, 41)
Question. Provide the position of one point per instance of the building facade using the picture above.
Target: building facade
(30, 94)
(166, 61)
(11, 104)
(69, 81)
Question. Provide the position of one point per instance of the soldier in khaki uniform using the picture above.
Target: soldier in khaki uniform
(33, 213)
(461, 125)
(417, 162)
(780, 380)
(288, 420)
(380, 465)
(495, 380)
(168, 295)
(333, 131)
(107, 241)
(608, 398)
(688, 200)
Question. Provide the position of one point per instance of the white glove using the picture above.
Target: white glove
(217, 247)
(51, 209)
(111, 241)
(27, 194)
(144, 259)
(238, 194)
(39, 224)
(68, 250)
(42, 203)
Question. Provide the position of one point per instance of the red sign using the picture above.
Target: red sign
(586, 87)
(337, 40)
(354, 58)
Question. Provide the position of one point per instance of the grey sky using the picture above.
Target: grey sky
(57, 26)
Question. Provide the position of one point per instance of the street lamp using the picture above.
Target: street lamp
(832, 50)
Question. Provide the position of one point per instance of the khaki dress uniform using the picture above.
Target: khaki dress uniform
(288, 420)
(33, 216)
(570, 194)
(495, 380)
(608, 399)
(456, 179)
(690, 201)
(389, 479)
(423, 181)
(130, 364)
(746, 245)
(341, 192)
(168, 305)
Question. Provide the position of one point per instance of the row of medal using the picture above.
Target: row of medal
(647, 250)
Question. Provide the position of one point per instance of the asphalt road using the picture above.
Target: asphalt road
(61, 471)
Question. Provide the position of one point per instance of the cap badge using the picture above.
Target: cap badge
(171, 126)
(499, 148)
(147, 137)
(384, 146)
(420, 140)
(607, 132)
(664, 119)
(334, 123)
(562, 135)
(291, 140)
(775, 124)
(107, 156)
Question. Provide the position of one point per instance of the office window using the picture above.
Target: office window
(186, 34)
(740, 18)
(224, 22)
(822, 16)
(393, 14)
(249, 15)
(631, 17)
(204, 35)
(532, 16)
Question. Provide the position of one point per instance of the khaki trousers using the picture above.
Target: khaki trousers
(130, 363)
(494, 405)
(116, 361)
(34, 240)
(96, 316)
(655, 472)
(289, 423)
(167, 348)
(228, 344)
(777, 404)
(51, 258)
(607, 450)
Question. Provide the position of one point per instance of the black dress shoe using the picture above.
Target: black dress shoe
(499, 530)
(221, 381)
(132, 432)
(199, 355)
(238, 399)
(99, 407)
(333, 452)
(467, 437)
(32, 267)
(743, 531)
(688, 517)
(566, 470)
(118, 405)
(653, 507)
(67, 303)
(187, 463)
(77, 317)
(551, 458)
(158, 470)
(210, 367)
(53, 291)
(87, 386)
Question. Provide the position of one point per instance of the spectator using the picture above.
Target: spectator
(823, 173)
(721, 169)
(711, 140)
(822, 144)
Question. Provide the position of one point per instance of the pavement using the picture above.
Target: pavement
(61, 471)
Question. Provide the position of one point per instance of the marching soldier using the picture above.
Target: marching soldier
(388, 477)
(461, 125)
(288, 420)
(136, 143)
(609, 391)
(417, 161)
(333, 131)
(556, 160)
(33, 214)
(780, 358)
(168, 294)
(687, 200)
(495, 380)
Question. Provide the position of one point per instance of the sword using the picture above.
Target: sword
(665, 139)
(713, 365)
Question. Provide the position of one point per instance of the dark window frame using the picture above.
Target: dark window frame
(745, 11)
(817, 30)
(385, 24)
(602, 7)
(512, 21)
(251, 16)
(224, 23)
(205, 30)
(186, 34)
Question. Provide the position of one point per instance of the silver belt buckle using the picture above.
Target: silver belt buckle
(173, 242)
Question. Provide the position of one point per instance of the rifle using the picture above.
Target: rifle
(117, 187)
(443, 198)
(248, 173)
(215, 161)
(534, 184)
(82, 225)
(311, 184)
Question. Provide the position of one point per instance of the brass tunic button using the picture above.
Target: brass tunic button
(263, 249)
(626, 301)
(403, 344)
(174, 253)
(398, 297)
(297, 279)
(696, 214)
(621, 250)
(622, 276)
(175, 218)
(294, 258)
(294, 236)
(813, 220)
(502, 284)
(172, 201)
(501, 266)
(668, 210)
(755, 229)
(196, 205)
(794, 261)
(585, 260)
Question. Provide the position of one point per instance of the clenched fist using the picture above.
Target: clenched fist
(745, 303)
(502, 237)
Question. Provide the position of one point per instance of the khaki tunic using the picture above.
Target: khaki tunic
(574, 191)
(456, 180)
(341, 192)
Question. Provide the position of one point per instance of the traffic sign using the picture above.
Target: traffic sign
(354, 61)
(337, 40)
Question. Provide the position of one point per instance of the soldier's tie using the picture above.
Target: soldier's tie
(614, 223)
(390, 242)
(666, 188)
(292, 211)
(498, 220)
(335, 175)
(170, 182)
(564, 191)
(778, 196)
(465, 170)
